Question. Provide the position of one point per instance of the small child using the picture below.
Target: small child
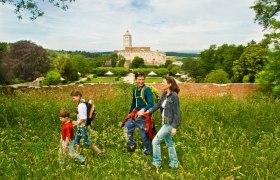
(67, 137)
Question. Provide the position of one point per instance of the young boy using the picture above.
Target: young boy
(82, 131)
(67, 137)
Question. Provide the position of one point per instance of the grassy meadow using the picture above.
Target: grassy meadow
(218, 138)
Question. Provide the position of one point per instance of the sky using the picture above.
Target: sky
(164, 25)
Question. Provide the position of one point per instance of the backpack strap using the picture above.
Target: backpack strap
(141, 96)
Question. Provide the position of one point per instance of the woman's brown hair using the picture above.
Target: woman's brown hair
(174, 86)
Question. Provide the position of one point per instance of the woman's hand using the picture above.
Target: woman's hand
(147, 112)
(173, 131)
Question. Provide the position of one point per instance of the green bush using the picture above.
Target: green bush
(217, 76)
(100, 71)
(52, 78)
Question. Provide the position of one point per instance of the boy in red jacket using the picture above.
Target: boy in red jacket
(67, 137)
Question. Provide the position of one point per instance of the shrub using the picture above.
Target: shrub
(217, 76)
(53, 78)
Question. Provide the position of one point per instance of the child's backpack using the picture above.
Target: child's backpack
(91, 112)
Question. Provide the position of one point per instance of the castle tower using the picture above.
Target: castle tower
(127, 40)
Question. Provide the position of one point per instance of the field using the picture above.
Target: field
(153, 79)
(218, 138)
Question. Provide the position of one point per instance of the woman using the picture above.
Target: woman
(170, 113)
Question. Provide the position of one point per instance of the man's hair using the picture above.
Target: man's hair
(76, 93)
(64, 113)
(139, 74)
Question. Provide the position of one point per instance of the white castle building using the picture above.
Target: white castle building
(129, 52)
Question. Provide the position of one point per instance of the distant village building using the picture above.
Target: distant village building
(178, 63)
(129, 53)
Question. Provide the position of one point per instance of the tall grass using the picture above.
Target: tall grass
(218, 138)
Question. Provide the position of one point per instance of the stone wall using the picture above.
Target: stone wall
(195, 90)
(236, 90)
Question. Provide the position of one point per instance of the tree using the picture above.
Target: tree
(175, 69)
(208, 59)
(251, 62)
(32, 7)
(193, 68)
(137, 62)
(217, 76)
(27, 60)
(167, 63)
(69, 71)
(114, 59)
(267, 15)
(4, 70)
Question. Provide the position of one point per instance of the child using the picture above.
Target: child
(67, 137)
(82, 131)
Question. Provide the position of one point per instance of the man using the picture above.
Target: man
(142, 100)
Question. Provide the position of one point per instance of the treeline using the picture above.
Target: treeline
(228, 63)
(178, 54)
(25, 61)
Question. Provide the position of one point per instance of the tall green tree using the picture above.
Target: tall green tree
(4, 68)
(193, 68)
(267, 15)
(27, 60)
(114, 59)
(137, 62)
(251, 62)
(271, 73)
(207, 58)
(167, 63)
(70, 73)
(32, 6)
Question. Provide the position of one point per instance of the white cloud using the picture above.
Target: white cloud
(98, 25)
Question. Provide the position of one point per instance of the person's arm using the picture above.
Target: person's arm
(133, 103)
(176, 118)
(65, 149)
(156, 106)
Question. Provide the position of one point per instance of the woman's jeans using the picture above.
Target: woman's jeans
(130, 126)
(164, 134)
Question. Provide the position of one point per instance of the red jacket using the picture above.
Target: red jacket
(150, 123)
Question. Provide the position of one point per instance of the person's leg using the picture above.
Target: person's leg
(84, 132)
(78, 140)
(141, 124)
(73, 154)
(95, 148)
(161, 135)
(171, 151)
(129, 128)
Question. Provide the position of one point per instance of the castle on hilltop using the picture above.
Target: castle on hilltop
(129, 52)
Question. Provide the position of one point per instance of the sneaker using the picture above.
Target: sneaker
(129, 149)
(156, 165)
(147, 153)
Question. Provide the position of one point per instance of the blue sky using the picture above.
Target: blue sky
(164, 25)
